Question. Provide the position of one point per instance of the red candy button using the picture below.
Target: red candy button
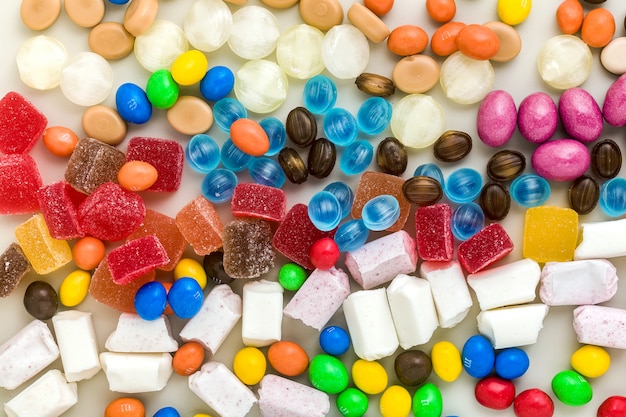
(533, 403)
(613, 407)
(495, 393)
(324, 253)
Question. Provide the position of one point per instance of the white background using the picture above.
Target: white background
(556, 341)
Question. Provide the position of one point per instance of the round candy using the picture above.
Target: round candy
(478, 356)
(395, 402)
(291, 276)
(299, 51)
(320, 94)
(571, 388)
(356, 157)
(59, 140)
(249, 136)
(345, 51)
(266, 171)
(614, 406)
(591, 361)
(495, 393)
(381, 212)
(150, 300)
(613, 197)
(185, 297)
(328, 374)
(276, 133)
(190, 268)
(226, 111)
(429, 170)
(125, 407)
(565, 61)
(404, 71)
(530, 190)
(466, 80)
(446, 361)
(249, 365)
(533, 403)
(137, 175)
(41, 300)
(213, 265)
(511, 363)
(427, 401)
(463, 185)
(417, 120)
(217, 83)
(344, 195)
(74, 288)
(352, 403)
(340, 126)
(261, 86)
(202, 153)
(133, 104)
(219, 185)
(369, 376)
(324, 253)
(167, 412)
(160, 45)
(288, 358)
(467, 220)
(87, 252)
(188, 358)
(254, 32)
(86, 79)
(40, 61)
(374, 115)
(233, 158)
(162, 90)
(334, 340)
(351, 235)
(190, 67)
(413, 367)
(204, 14)
(324, 210)
(514, 12)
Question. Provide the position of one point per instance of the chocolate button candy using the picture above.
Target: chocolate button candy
(506, 165)
(41, 300)
(583, 194)
(391, 156)
(606, 159)
(495, 201)
(413, 367)
(422, 190)
(452, 146)
(301, 126)
(213, 265)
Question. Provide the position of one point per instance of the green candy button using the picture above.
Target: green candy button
(571, 388)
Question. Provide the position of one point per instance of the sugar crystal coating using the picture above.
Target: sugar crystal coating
(433, 234)
(373, 184)
(550, 234)
(260, 201)
(44, 253)
(14, 266)
(22, 124)
(248, 251)
(136, 258)
(59, 203)
(19, 182)
(166, 155)
(201, 226)
(484, 248)
(92, 164)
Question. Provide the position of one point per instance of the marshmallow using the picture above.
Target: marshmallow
(590, 281)
(78, 345)
(413, 310)
(136, 335)
(380, 260)
(136, 372)
(319, 298)
(513, 283)
(49, 396)
(512, 326)
(25, 354)
(262, 316)
(221, 390)
(600, 326)
(220, 312)
(449, 288)
(370, 324)
(282, 397)
(602, 240)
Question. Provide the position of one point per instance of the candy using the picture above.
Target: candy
(331, 13)
(119, 297)
(288, 358)
(391, 156)
(165, 155)
(59, 206)
(465, 80)
(76, 336)
(188, 358)
(427, 401)
(467, 220)
(369, 376)
(200, 225)
(185, 297)
(324, 211)
(125, 406)
(533, 402)
(477, 42)
(105, 124)
(406, 40)
(266, 171)
(22, 124)
(169, 38)
(506, 165)
(319, 94)
(495, 201)
(496, 118)
(537, 117)
(591, 361)
(452, 146)
(352, 402)
(340, 126)
(40, 60)
(322, 157)
(510, 41)
(495, 393)
(422, 190)
(279, 397)
(324, 253)
(191, 268)
(49, 396)
(190, 115)
(583, 194)
(59, 140)
(580, 114)
(19, 184)
(15, 266)
(427, 67)
(601, 240)
(135, 258)
(110, 40)
(417, 120)
(600, 325)
(36, 16)
(136, 335)
(208, 12)
(478, 356)
(132, 103)
(227, 111)
(512, 326)
(166, 231)
(328, 374)
(218, 185)
(571, 388)
(375, 85)
(248, 251)
(612, 406)
(443, 40)
(412, 367)
(395, 401)
(511, 363)
(44, 253)
(345, 51)
(334, 340)
(261, 86)
(367, 22)
(299, 51)
(433, 234)
(610, 60)
(150, 300)
(513, 12)
(569, 16)
(249, 365)
(86, 79)
(301, 126)
(550, 233)
(606, 159)
(381, 212)
(530, 190)
(262, 313)
(136, 372)
(446, 361)
(564, 62)
(137, 176)
(449, 288)
(484, 248)
(373, 184)
(463, 185)
(356, 157)
(92, 164)
(41, 300)
(598, 27)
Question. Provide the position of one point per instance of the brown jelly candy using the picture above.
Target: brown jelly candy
(248, 251)
(14, 266)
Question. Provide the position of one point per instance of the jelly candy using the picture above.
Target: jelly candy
(487, 246)
(59, 206)
(22, 124)
(433, 234)
(136, 258)
(248, 251)
(16, 265)
(92, 164)
(200, 225)
(19, 182)
(550, 234)
(44, 253)
(260, 201)
(166, 155)
(119, 297)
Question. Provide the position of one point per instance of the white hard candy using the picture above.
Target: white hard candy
(345, 51)
(87, 79)
(261, 86)
(299, 51)
(208, 13)
(254, 32)
(466, 80)
(565, 62)
(160, 45)
(417, 120)
(40, 60)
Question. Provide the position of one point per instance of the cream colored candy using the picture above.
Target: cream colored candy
(413, 310)
(111, 40)
(262, 314)
(370, 324)
(417, 120)
(136, 372)
(589, 281)
(221, 390)
(279, 397)
(49, 396)
(465, 80)
(565, 61)
(449, 288)
(190, 115)
(40, 61)
(76, 337)
(39, 14)
(513, 283)
(105, 124)
(512, 326)
(415, 74)
(367, 22)
(85, 13)
(605, 239)
(140, 15)
(613, 56)
(136, 335)
(279, 4)
(510, 41)
(323, 14)
(25, 354)
(600, 326)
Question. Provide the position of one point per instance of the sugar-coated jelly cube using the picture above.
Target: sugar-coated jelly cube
(45, 253)
(120, 297)
(201, 226)
(433, 234)
(165, 229)
(92, 164)
(19, 182)
(59, 203)
(135, 258)
(484, 248)
(259, 201)
(14, 267)
(373, 184)
(248, 251)
(550, 234)
(22, 124)
(111, 212)
(166, 155)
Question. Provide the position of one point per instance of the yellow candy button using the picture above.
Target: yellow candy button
(395, 402)
(514, 12)
(191, 268)
(189, 67)
(369, 376)
(591, 361)
(74, 288)
(446, 360)
(249, 365)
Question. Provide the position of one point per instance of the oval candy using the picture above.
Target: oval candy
(561, 160)
(407, 40)
(427, 401)
(614, 406)
(537, 117)
(571, 388)
(495, 201)
(514, 12)
(495, 393)
(478, 356)
(606, 159)
(614, 106)
(249, 136)
(446, 360)
(533, 402)
(497, 118)
(478, 42)
(422, 190)
(580, 114)
(583, 194)
(452, 146)
(506, 165)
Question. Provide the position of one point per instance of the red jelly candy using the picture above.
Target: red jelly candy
(21, 124)
(325, 253)
(614, 406)
(59, 203)
(136, 258)
(111, 212)
(433, 235)
(489, 245)
(19, 182)
(166, 155)
(495, 393)
(533, 403)
(259, 201)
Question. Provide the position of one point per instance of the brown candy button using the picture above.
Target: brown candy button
(39, 14)
(322, 14)
(110, 40)
(105, 124)
(510, 41)
(190, 115)
(139, 16)
(415, 74)
(85, 13)
(279, 4)
(367, 22)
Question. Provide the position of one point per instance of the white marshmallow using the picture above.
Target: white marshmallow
(380, 260)
(513, 283)
(221, 390)
(319, 298)
(413, 310)
(262, 315)
(78, 345)
(589, 281)
(49, 396)
(370, 324)
(449, 288)
(136, 335)
(282, 397)
(25, 354)
(136, 372)
(602, 240)
(601, 326)
(512, 326)
(220, 312)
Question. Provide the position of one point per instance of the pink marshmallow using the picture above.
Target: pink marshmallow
(282, 397)
(600, 326)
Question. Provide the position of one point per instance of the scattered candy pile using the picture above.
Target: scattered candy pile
(221, 255)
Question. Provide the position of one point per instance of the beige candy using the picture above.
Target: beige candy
(415, 74)
(322, 14)
(367, 22)
(510, 41)
(190, 115)
(139, 16)
(105, 124)
(85, 13)
(613, 56)
(279, 4)
(111, 40)
(39, 14)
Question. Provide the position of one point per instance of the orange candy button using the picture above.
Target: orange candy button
(598, 28)
(137, 175)
(59, 140)
(443, 41)
(407, 40)
(288, 358)
(478, 42)
(125, 407)
(87, 252)
(249, 137)
(188, 358)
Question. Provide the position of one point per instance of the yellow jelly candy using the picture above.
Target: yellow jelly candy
(74, 288)
(514, 12)
(550, 234)
(369, 376)
(45, 253)
(591, 361)
(249, 365)
(395, 402)
(191, 268)
(446, 360)
(189, 67)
